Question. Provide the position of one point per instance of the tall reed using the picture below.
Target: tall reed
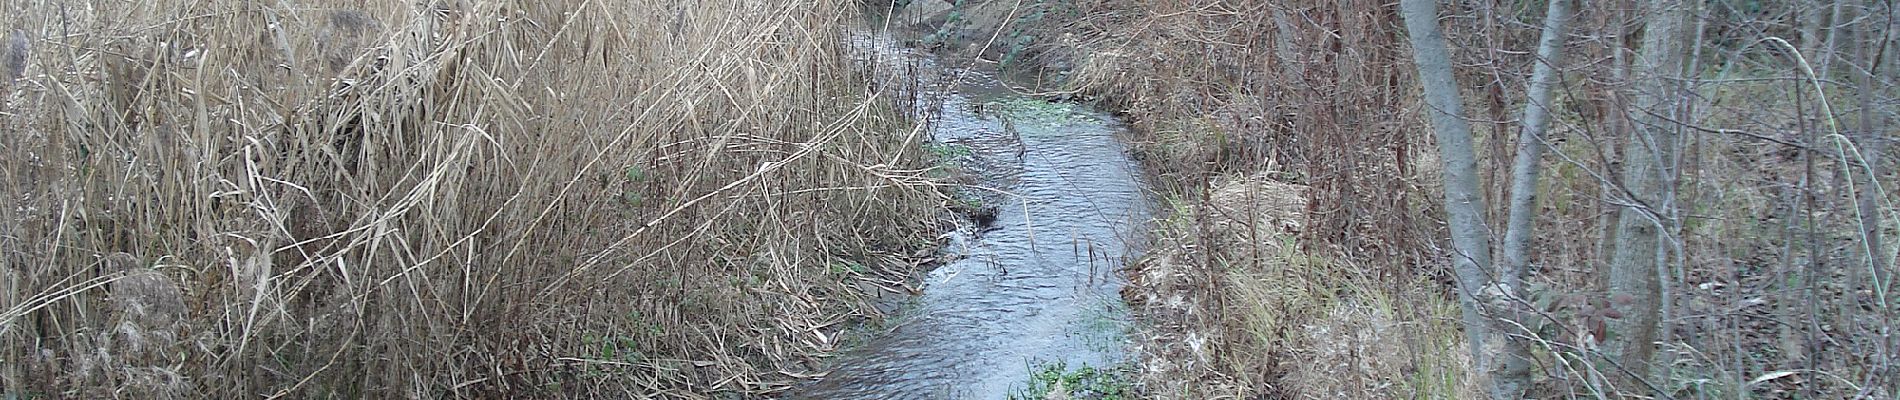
(343, 198)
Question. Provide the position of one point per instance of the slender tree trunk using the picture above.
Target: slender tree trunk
(1617, 128)
(1812, 16)
(1871, 142)
(1514, 366)
(1883, 277)
(1530, 145)
(1464, 197)
(1829, 47)
(1670, 257)
(1634, 282)
(1283, 48)
(1872, 145)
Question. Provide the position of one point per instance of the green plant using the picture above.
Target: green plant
(953, 22)
(848, 267)
(1037, 111)
(1083, 382)
(971, 202)
(946, 152)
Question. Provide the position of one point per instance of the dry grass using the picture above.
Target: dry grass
(1378, 346)
(1303, 88)
(1231, 307)
(1289, 141)
(232, 199)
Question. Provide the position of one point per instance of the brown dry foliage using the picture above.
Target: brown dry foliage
(1306, 92)
(228, 198)
(1768, 282)
(1190, 345)
(1217, 87)
(1231, 308)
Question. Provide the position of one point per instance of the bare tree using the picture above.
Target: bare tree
(1636, 268)
(1506, 362)
(1514, 368)
(1817, 33)
(1871, 145)
(1888, 72)
(1876, 36)
(1464, 199)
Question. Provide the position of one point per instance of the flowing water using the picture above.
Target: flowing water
(1036, 286)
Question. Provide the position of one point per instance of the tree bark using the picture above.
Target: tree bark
(1871, 144)
(1828, 46)
(1530, 145)
(1648, 155)
(1811, 17)
(1887, 74)
(1617, 128)
(1515, 363)
(1464, 197)
(1283, 48)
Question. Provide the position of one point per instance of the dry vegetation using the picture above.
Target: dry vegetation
(1768, 294)
(1233, 307)
(1294, 262)
(233, 199)
(582, 198)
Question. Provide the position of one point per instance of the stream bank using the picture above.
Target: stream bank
(1255, 281)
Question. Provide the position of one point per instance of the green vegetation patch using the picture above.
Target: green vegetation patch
(1054, 380)
(845, 268)
(1035, 111)
(944, 152)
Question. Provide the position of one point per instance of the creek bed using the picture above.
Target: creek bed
(1038, 285)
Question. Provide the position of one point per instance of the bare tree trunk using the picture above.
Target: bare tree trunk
(1883, 277)
(1670, 258)
(1634, 282)
(1283, 48)
(1514, 369)
(1871, 142)
(1811, 17)
(1530, 145)
(1828, 46)
(1464, 197)
(1617, 128)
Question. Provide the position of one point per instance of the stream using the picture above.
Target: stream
(1035, 287)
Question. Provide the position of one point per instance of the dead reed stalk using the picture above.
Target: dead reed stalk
(447, 198)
